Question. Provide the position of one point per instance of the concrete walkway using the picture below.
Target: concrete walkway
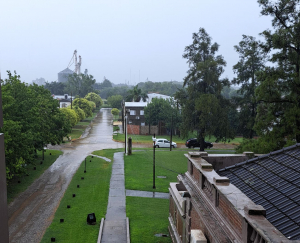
(115, 227)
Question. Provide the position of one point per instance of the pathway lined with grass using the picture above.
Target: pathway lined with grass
(115, 227)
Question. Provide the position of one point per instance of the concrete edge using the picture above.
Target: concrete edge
(100, 230)
(127, 230)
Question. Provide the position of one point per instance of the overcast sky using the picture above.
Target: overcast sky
(123, 40)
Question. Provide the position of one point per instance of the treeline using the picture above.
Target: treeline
(32, 119)
(268, 100)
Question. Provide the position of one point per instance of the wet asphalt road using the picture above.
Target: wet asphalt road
(33, 210)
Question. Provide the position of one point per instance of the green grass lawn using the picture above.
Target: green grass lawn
(91, 197)
(176, 139)
(14, 188)
(139, 169)
(147, 217)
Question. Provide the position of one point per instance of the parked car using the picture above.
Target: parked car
(193, 143)
(163, 143)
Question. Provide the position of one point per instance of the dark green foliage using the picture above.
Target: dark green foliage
(162, 110)
(80, 84)
(136, 94)
(204, 109)
(32, 120)
(252, 59)
(278, 113)
(115, 101)
(56, 88)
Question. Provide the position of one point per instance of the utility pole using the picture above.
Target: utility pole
(171, 132)
(3, 190)
(154, 162)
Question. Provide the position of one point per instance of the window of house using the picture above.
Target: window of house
(141, 112)
(132, 112)
(142, 123)
(137, 117)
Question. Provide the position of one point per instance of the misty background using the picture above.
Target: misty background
(128, 41)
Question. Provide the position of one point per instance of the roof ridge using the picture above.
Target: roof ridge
(262, 156)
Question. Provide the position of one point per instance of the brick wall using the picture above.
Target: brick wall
(145, 130)
(230, 213)
(133, 129)
(197, 223)
(196, 174)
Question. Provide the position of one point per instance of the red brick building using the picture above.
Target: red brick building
(206, 206)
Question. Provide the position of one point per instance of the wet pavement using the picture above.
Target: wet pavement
(33, 210)
(115, 227)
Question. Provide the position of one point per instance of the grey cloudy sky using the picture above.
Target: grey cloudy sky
(122, 40)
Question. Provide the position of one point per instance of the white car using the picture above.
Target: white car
(164, 143)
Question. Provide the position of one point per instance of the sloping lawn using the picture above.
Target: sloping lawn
(14, 188)
(91, 197)
(147, 217)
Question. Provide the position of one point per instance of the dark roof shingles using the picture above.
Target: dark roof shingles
(272, 181)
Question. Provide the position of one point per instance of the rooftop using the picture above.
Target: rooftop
(272, 181)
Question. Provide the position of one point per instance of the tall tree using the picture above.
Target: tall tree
(203, 107)
(252, 59)
(80, 84)
(136, 95)
(278, 115)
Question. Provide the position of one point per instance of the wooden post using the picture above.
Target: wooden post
(129, 146)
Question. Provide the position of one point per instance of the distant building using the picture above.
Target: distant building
(64, 100)
(64, 75)
(157, 96)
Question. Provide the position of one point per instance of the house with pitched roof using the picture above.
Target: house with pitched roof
(223, 199)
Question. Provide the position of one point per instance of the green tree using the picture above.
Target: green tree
(80, 84)
(84, 105)
(278, 112)
(136, 95)
(115, 101)
(95, 98)
(115, 111)
(55, 87)
(32, 120)
(252, 59)
(163, 110)
(70, 115)
(79, 112)
(203, 107)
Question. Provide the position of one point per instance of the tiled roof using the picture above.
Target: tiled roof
(272, 181)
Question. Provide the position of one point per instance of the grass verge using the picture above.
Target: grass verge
(147, 139)
(14, 188)
(139, 169)
(80, 127)
(147, 217)
(91, 197)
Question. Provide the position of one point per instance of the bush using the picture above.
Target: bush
(71, 115)
(84, 105)
(95, 98)
(115, 111)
